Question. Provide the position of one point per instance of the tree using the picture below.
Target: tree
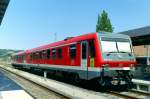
(103, 23)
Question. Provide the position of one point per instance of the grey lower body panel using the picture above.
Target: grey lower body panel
(83, 74)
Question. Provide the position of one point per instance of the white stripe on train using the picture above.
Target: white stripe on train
(71, 67)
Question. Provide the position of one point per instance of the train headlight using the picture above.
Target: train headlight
(132, 67)
(106, 67)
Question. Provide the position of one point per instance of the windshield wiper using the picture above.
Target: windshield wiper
(129, 53)
(108, 53)
(112, 52)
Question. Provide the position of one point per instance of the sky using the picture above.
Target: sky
(32, 23)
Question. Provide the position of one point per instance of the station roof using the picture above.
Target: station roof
(3, 7)
(140, 36)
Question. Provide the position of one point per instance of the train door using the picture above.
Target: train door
(84, 55)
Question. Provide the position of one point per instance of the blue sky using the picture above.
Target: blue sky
(31, 23)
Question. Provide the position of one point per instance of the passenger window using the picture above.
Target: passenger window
(34, 56)
(37, 54)
(53, 53)
(44, 52)
(92, 48)
(24, 56)
(48, 54)
(59, 53)
(72, 51)
(30, 57)
(40, 54)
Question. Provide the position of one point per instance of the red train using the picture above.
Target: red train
(105, 57)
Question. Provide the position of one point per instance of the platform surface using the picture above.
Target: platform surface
(10, 90)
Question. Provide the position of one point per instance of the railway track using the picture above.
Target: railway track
(35, 90)
(40, 92)
(130, 94)
(54, 89)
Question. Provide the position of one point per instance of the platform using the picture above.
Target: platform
(10, 90)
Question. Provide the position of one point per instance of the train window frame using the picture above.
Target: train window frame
(54, 53)
(59, 51)
(91, 48)
(72, 51)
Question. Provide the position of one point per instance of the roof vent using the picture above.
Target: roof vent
(68, 38)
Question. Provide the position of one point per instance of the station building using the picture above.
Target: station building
(3, 7)
(141, 46)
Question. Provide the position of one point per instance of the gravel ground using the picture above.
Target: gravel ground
(34, 90)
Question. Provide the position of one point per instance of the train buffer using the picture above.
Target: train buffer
(10, 90)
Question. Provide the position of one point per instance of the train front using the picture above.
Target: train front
(118, 59)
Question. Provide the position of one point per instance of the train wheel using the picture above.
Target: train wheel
(75, 78)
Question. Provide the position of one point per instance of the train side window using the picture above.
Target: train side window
(37, 54)
(53, 53)
(23, 57)
(30, 56)
(33, 56)
(48, 54)
(40, 54)
(59, 53)
(72, 51)
(44, 54)
(92, 48)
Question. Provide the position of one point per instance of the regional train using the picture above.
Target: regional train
(105, 57)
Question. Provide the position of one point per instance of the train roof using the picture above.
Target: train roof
(74, 39)
(65, 41)
(19, 53)
(78, 38)
(113, 35)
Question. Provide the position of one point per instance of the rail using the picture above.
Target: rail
(130, 94)
(141, 85)
(66, 90)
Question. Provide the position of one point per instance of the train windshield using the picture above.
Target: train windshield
(115, 45)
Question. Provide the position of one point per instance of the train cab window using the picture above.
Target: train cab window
(48, 53)
(59, 53)
(72, 51)
(53, 53)
(91, 48)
